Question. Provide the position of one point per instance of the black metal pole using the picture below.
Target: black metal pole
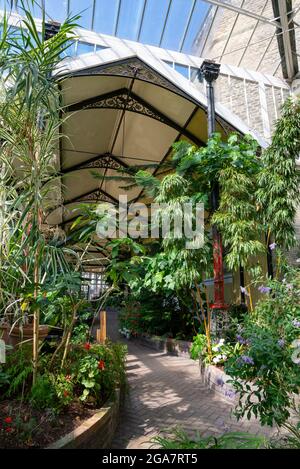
(210, 71)
(242, 284)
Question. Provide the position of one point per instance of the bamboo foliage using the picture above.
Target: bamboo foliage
(279, 181)
(29, 134)
(238, 218)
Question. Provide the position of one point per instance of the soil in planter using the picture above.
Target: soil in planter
(21, 426)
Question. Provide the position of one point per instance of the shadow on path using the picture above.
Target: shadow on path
(164, 392)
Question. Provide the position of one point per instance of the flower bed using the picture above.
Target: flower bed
(62, 399)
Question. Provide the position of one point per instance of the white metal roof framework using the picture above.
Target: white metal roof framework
(278, 25)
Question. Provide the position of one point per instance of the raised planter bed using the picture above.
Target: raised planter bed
(166, 345)
(217, 380)
(96, 432)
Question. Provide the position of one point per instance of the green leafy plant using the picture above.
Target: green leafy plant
(42, 393)
(231, 440)
(278, 192)
(265, 374)
(64, 388)
(198, 346)
(221, 350)
(88, 377)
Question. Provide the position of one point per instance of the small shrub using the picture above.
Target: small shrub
(232, 440)
(42, 394)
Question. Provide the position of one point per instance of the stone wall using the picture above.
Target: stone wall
(262, 53)
(254, 102)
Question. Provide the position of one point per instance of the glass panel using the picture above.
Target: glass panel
(71, 50)
(84, 48)
(176, 23)
(194, 73)
(195, 26)
(129, 18)
(169, 63)
(100, 48)
(183, 69)
(106, 16)
(6, 4)
(153, 22)
(35, 8)
(85, 10)
(56, 10)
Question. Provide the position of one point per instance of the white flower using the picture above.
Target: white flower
(217, 359)
(217, 347)
(298, 261)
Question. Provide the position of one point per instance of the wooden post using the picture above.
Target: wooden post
(102, 337)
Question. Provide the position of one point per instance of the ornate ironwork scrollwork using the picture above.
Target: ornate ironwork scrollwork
(133, 68)
(95, 196)
(126, 102)
(106, 162)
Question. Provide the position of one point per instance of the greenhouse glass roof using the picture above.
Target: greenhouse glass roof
(170, 24)
(262, 36)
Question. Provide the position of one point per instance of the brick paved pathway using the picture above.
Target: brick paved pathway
(165, 391)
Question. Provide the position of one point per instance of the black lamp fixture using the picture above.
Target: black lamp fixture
(210, 71)
(51, 29)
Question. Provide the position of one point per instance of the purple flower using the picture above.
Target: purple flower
(241, 340)
(230, 394)
(263, 289)
(296, 323)
(220, 382)
(272, 246)
(246, 359)
(281, 343)
(289, 286)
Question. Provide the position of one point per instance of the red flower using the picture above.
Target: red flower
(8, 429)
(101, 365)
(65, 393)
(8, 420)
(87, 346)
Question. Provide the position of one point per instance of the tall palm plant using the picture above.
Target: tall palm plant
(29, 133)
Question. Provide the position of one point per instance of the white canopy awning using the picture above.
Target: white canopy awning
(124, 111)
